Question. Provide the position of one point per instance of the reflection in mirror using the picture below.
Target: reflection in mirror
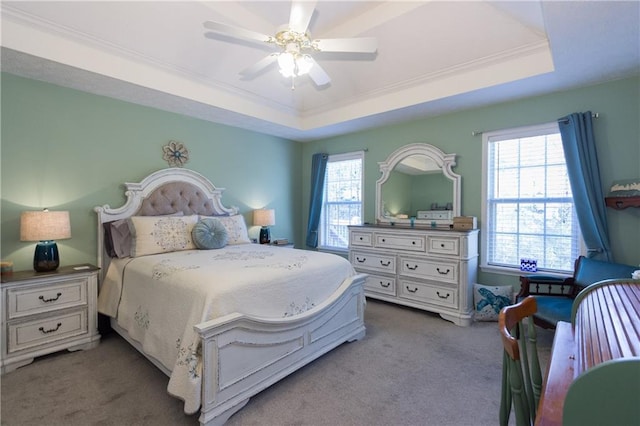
(409, 193)
(417, 178)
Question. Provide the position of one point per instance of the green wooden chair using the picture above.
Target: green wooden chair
(521, 375)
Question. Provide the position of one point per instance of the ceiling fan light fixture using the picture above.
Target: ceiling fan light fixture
(294, 64)
(287, 64)
(295, 44)
(303, 64)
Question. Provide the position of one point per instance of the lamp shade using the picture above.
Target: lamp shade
(264, 217)
(44, 225)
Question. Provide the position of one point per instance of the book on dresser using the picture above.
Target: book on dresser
(430, 269)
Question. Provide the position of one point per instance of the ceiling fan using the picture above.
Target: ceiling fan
(295, 45)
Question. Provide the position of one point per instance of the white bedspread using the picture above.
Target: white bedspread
(161, 297)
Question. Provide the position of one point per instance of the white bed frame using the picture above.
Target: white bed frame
(243, 355)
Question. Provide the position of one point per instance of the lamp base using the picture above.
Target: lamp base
(45, 258)
(265, 235)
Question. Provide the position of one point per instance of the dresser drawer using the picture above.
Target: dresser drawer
(400, 242)
(443, 245)
(380, 284)
(373, 261)
(27, 334)
(421, 292)
(429, 269)
(22, 301)
(360, 238)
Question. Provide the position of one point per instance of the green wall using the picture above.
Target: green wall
(69, 150)
(617, 133)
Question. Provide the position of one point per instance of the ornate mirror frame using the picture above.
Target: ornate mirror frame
(444, 161)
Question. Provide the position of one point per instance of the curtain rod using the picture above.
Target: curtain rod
(593, 115)
(479, 132)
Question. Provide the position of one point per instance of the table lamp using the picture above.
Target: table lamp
(45, 227)
(264, 218)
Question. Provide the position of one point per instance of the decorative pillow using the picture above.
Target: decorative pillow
(161, 234)
(209, 233)
(236, 229)
(117, 238)
(489, 300)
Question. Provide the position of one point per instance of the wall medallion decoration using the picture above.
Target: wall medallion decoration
(175, 153)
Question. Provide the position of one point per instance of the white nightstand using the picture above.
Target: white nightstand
(48, 312)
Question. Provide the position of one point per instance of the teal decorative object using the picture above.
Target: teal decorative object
(209, 233)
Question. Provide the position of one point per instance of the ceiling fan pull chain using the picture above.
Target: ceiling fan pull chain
(293, 82)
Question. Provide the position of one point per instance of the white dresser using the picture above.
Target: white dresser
(427, 269)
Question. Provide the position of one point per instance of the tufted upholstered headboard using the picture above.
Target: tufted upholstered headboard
(163, 192)
(174, 197)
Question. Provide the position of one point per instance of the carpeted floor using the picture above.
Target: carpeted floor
(412, 368)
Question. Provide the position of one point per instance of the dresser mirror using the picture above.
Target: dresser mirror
(418, 187)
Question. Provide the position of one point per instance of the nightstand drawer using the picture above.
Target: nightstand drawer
(24, 301)
(24, 335)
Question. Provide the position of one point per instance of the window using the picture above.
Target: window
(528, 211)
(342, 200)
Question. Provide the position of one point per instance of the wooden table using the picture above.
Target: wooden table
(606, 326)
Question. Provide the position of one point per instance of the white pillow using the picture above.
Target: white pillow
(161, 234)
(236, 228)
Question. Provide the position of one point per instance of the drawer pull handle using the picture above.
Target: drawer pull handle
(385, 264)
(360, 238)
(443, 273)
(413, 242)
(385, 285)
(412, 291)
(412, 268)
(53, 299)
(51, 330)
(364, 259)
(383, 240)
(442, 297)
(442, 245)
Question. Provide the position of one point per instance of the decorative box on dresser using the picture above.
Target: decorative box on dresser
(48, 312)
(428, 269)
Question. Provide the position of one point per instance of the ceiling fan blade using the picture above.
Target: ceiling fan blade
(301, 13)
(236, 32)
(259, 66)
(355, 45)
(318, 75)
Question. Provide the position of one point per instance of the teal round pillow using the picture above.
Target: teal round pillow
(209, 233)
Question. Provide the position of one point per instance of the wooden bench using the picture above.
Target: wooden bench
(555, 295)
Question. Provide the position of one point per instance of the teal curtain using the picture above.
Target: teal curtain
(584, 176)
(318, 169)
